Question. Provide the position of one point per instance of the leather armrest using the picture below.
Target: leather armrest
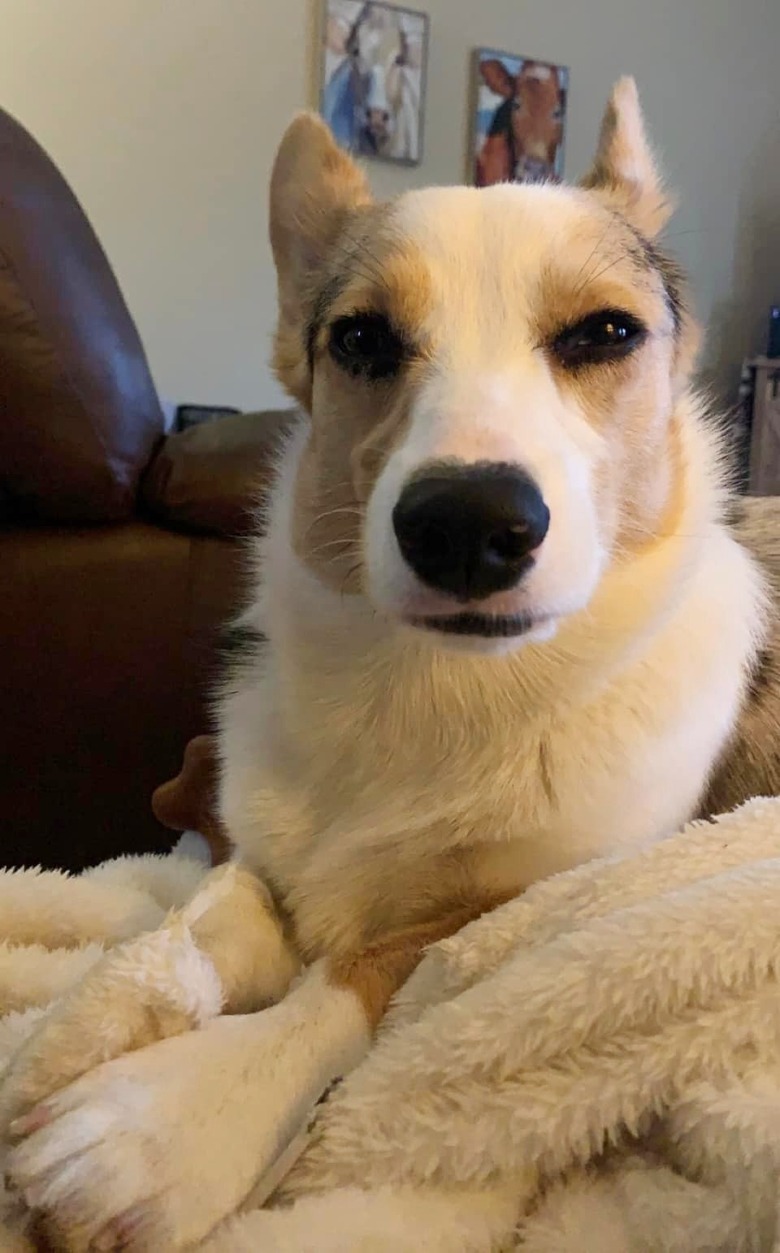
(211, 478)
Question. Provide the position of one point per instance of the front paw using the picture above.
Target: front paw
(157, 985)
(144, 1153)
(150, 1151)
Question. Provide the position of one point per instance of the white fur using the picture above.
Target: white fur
(412, 749)
(130, 1149)
(358, 752)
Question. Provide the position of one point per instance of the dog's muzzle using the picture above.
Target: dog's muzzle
(470, 531)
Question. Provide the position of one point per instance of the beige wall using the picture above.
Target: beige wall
(164, 115)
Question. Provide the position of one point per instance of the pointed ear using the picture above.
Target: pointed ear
(624, 169)
(315, 186)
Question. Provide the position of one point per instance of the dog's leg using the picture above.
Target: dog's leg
(225, 950)
(151, 1150)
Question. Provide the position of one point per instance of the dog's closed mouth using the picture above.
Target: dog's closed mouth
(490, 626)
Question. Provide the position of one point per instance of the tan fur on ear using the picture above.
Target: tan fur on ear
(315, 185)
(624, 168)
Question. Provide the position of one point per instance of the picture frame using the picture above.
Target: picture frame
(518, 130)
(374, 62)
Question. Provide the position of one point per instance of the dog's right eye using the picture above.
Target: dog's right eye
(606, 336)
(366, 345)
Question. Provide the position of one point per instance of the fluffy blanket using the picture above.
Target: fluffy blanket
(593, 1066)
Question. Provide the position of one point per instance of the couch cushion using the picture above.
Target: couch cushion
(111, 648)
(79, 415)
(211, 478)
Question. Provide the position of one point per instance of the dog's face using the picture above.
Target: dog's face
(491, 378)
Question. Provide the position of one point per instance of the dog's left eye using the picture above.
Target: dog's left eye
(366, 345)
(605, 336)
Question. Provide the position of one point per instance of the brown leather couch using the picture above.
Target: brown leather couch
(118, 545)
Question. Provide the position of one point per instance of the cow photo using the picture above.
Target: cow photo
(520, 112)
(373, 78)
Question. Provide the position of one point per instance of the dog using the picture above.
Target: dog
(526, 132)
(509, 628)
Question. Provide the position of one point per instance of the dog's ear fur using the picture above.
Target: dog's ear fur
(315, 185)
(624, 169)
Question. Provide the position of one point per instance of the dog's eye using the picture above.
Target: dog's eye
(366, 345)
(605, 336)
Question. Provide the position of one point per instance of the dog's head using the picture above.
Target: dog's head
(491, 377)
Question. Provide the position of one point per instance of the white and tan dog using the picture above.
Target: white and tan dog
(508, 631)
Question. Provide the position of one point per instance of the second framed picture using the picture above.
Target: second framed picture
(373, 78)
(519, 120)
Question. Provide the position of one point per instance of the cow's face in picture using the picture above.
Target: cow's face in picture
(535, 117)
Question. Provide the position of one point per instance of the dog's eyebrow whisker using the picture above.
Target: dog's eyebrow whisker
(367, 265)
(596, 259)
(625, 254)
(577, 286)
(351, 260)
(594, 277)
(373, 269)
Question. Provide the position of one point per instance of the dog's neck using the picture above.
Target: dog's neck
(327, 642)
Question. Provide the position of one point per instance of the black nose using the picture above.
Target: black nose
(470, 531)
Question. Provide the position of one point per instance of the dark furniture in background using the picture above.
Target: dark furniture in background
(118, 552)
(764, 465)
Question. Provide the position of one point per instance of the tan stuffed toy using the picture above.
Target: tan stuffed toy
(188, 802)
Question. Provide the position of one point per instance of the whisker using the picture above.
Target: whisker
(691, 230)
(334, 543)
(588, 260)
(348, 554)
(350, 574)
(351, 511)
(594, 277)
(332, 488)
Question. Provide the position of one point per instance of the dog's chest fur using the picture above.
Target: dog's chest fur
(375, 783)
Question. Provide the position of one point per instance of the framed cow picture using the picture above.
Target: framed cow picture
(373, 78)
(519, 119)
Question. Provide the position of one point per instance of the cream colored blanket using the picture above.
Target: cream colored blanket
(595, 1066)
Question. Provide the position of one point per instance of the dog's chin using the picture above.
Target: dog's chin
(474, 632)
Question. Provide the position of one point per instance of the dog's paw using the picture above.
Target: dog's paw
(145, 1152)
(151, 1150)
(155, 986)
(226, 945)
